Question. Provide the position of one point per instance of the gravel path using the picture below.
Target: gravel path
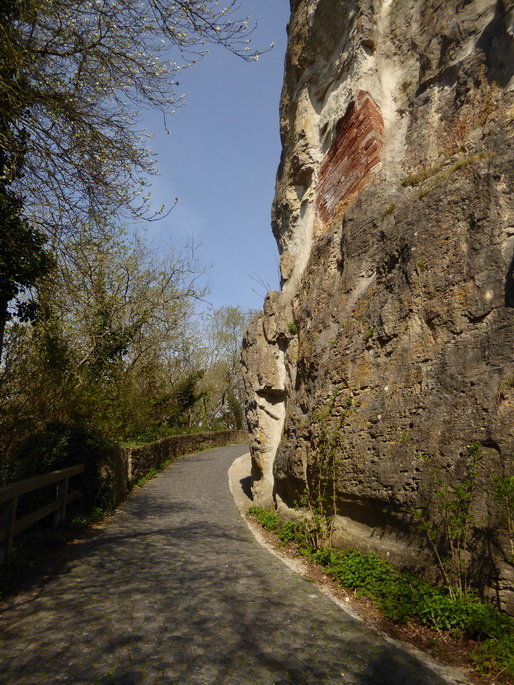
(174, 589)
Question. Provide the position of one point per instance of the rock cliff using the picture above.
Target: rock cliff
(393, 333)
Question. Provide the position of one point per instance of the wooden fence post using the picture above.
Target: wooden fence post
(9, 495)
(8, 519)
(62, 494)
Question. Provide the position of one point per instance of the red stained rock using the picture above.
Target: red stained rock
(353, 155)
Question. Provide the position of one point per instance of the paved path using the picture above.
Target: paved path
(174, 589)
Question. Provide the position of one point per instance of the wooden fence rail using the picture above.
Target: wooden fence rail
(9, 495)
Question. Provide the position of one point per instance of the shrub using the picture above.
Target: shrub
(367, 573)
(59, 446)
(495, 655)
(288, 532)
(403, 597)
(268, 519)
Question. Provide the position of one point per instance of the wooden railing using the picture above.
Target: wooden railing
(9, 495)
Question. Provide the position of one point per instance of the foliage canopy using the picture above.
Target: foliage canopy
(111, 348)
(73, 77)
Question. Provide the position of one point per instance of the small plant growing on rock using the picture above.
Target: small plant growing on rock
(504, 495)
(449, 532)
(479, 104)
(390, 209)
(318, 502)
(420, 176)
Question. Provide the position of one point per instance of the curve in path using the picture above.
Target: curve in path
(174, 589)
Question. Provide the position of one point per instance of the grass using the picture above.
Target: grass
(151, 473)
(404, 598)
(426, 173)
(390, 209)
(421, 176)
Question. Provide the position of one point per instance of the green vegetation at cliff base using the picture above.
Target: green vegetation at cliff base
(404, 598)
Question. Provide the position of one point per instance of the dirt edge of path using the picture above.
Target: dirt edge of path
(445, 656)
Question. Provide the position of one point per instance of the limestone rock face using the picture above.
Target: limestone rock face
(394, 217)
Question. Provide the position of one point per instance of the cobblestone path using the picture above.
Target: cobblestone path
(174, 589)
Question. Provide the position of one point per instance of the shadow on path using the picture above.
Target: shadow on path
(174, 589)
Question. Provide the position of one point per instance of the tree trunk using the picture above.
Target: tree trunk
(3, 320)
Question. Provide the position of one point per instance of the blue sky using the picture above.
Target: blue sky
(221, 159)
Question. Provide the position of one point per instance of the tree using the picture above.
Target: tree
(183, 399)
(106, 347)
(222, 384)
(125, 312)
(109, 340)
(73, 76)
(23, 259)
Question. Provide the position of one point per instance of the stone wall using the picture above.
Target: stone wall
(394, 217)
(135, 462)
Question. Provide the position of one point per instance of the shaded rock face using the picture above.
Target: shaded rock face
(394, 329)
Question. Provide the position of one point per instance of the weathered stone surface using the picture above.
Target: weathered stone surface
(353, 155)
(394, 217)
(264, 359)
